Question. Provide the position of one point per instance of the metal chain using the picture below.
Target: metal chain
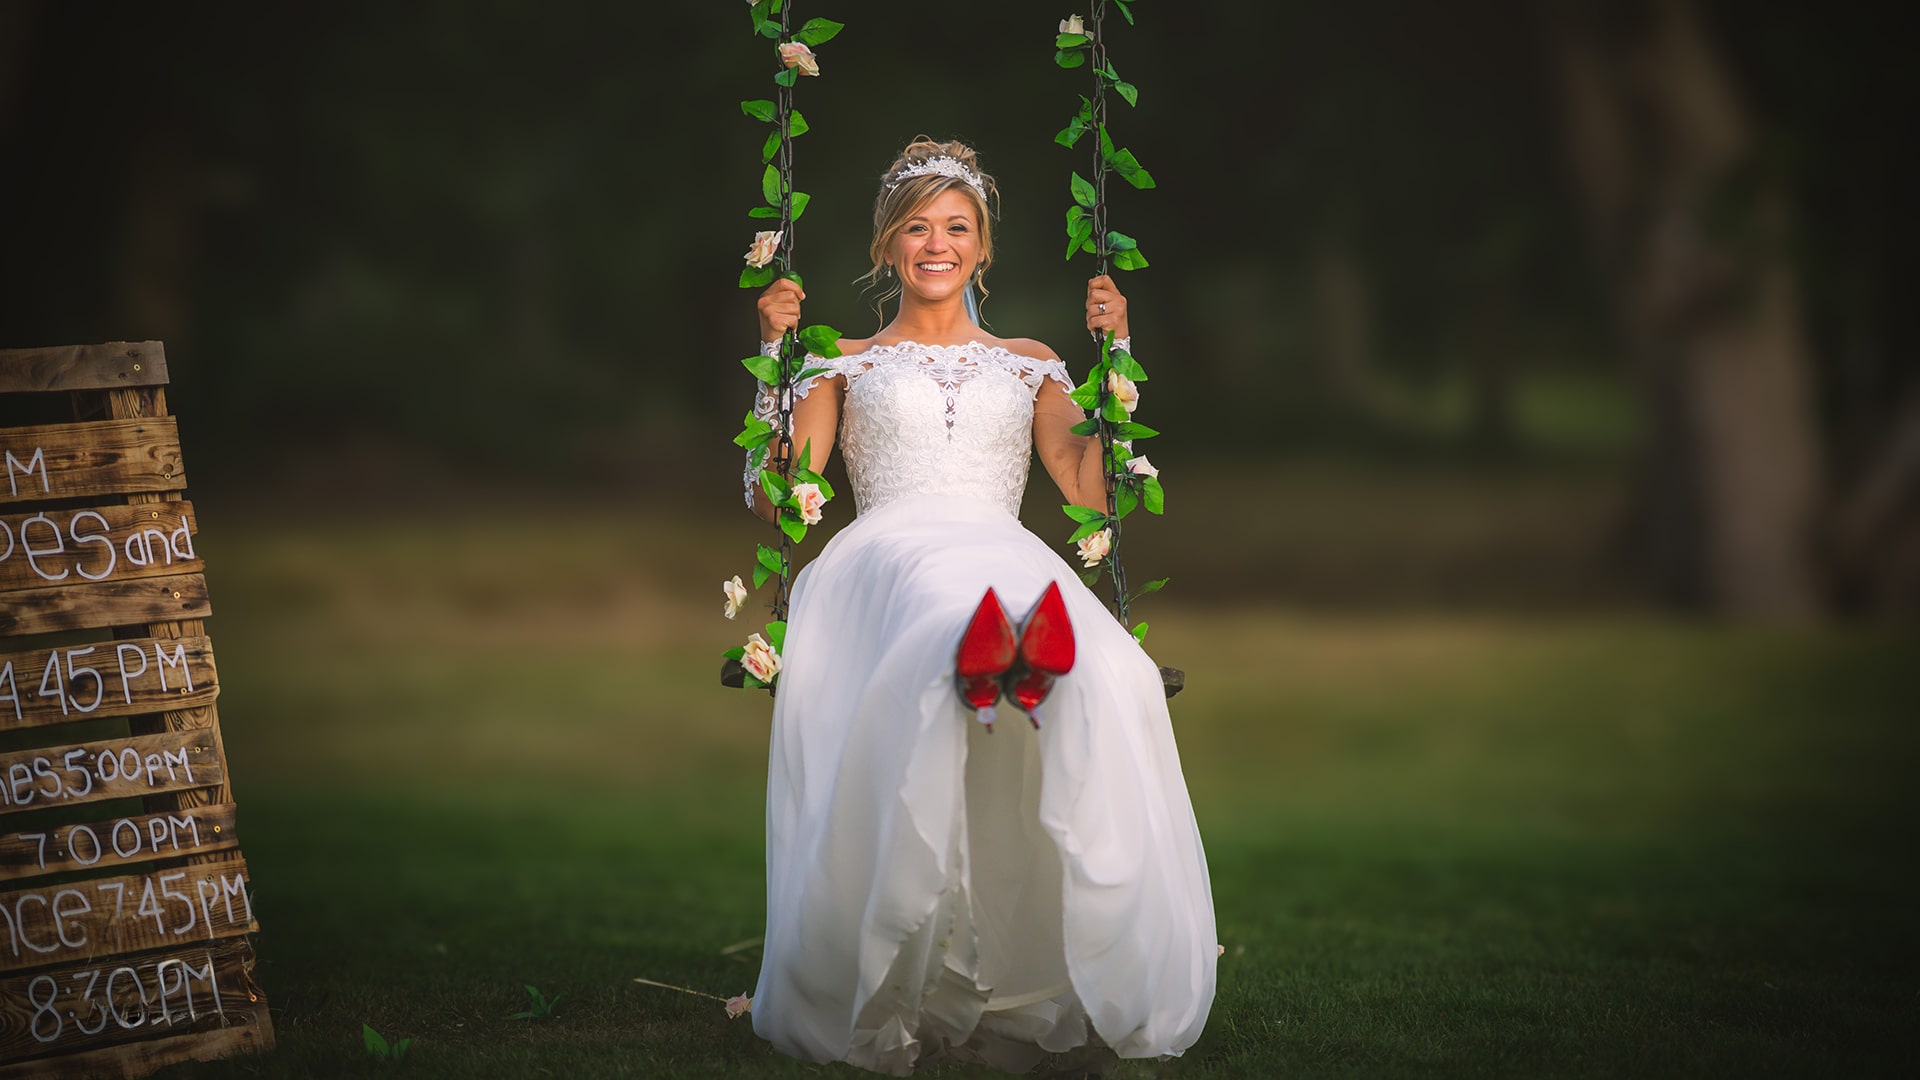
(1113, 480)
(789, 365)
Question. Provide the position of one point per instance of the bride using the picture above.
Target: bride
(940, 888)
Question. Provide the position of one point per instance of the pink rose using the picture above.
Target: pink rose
(760, 660)
(1140, 466)
(737, 1004)
(736, 593)
(1094, 548)
(764, 245)
(795, 55)
(808, 500)
(1124, 391)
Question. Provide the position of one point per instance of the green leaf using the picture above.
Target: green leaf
(1130, 259)
(1128, 91)
(786, 76)
(1126, 11)
(760, 576)
(1139, 178)
(375, 1042)
(1084, 396)
(764, 212)
(1131, 431)
(1068, 59)
(1119, 241)
(794, 275)
(777, 636)
(767, 28)
(791, 524)
(770, 186)
(1140, 631)
(799, 199)
(817, 31)
(1086, 427)
(1115, 411)
(822, 341)
(755, 278)
(771, 147)
(770, 559)
(750, 682)
(737, 651)
(1070, 135)
(1124, 500)
(1124, 363)
(1107, 152)
(755, 432)
(1074, 214)
(1082, 190)
(1077, 239)
(1150, 587)
(778, 493)
(1154, 497)
(1070, 41)
(400, 1050)
(797, 124)
(760, 109)
(1086, 530)
(805, 460)
(1083, 514)
(764, 368)
(1090, 575)
(1086, 110)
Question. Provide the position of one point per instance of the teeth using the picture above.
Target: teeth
(936, 267)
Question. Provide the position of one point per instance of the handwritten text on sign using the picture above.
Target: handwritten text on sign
(53, 849)
(83, 919)
(101, 457)
(109, 769)
(95, 544)
(112, 1000)
(111, 678)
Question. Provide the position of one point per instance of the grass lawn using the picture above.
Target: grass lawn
(468, 760)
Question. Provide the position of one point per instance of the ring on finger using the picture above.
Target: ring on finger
(1103, 309)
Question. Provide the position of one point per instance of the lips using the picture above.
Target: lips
(937, 267)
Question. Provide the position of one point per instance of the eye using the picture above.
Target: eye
(916, 228)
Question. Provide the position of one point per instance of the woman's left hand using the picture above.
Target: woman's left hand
(1106, 308)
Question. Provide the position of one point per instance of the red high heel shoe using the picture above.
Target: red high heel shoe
(987, 650)
(1046, 652)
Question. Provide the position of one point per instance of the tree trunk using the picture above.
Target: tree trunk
(1692, 234)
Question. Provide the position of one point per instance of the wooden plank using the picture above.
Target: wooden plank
(70, 774)
(97, 543)
(116, 999)
(134, 1060)
(169, 834)
(104, 457)
(97, 604)
(106, 678)
(110, 366)
(85, 920)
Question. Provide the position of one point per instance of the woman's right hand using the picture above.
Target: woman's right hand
(780, 309)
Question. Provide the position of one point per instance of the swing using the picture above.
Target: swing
(1076, 45)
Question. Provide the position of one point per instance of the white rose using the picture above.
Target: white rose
(736, 593)
(1072, 25)
(1140, 466)
(795, 55)
(760, 660)
(1123, 389)
(1094, 548)
(764, 245)
(808, 500)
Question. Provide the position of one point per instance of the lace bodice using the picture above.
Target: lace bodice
(933, 419)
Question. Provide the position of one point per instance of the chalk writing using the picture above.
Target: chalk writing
(78, 917)
(91, 544)
(127, 838)
(94, 997)
(36, 462)
(32, 778)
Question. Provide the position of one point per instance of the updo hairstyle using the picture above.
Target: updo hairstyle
(900, 199)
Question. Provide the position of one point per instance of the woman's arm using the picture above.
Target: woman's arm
(816, 419)
(1074, 460)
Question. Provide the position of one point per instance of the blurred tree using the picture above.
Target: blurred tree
(1691, 221)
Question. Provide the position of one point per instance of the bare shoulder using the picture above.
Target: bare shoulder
(852, 346)
(1028, 347)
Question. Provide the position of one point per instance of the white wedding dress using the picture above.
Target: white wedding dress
(936, 891)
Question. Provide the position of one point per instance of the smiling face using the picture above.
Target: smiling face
(938, 248)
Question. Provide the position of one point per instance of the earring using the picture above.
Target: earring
(889, 271)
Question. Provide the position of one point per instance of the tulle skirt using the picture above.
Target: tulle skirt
(935, 891)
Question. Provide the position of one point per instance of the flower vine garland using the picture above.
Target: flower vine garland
(788, 481)
(1112, 388)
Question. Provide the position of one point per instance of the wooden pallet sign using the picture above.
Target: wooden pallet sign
(125, 906)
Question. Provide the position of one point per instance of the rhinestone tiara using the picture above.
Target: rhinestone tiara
(941, 166)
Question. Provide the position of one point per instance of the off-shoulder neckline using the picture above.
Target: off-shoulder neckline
(974, 343)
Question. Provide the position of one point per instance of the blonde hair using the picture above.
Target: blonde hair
(900, 199)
